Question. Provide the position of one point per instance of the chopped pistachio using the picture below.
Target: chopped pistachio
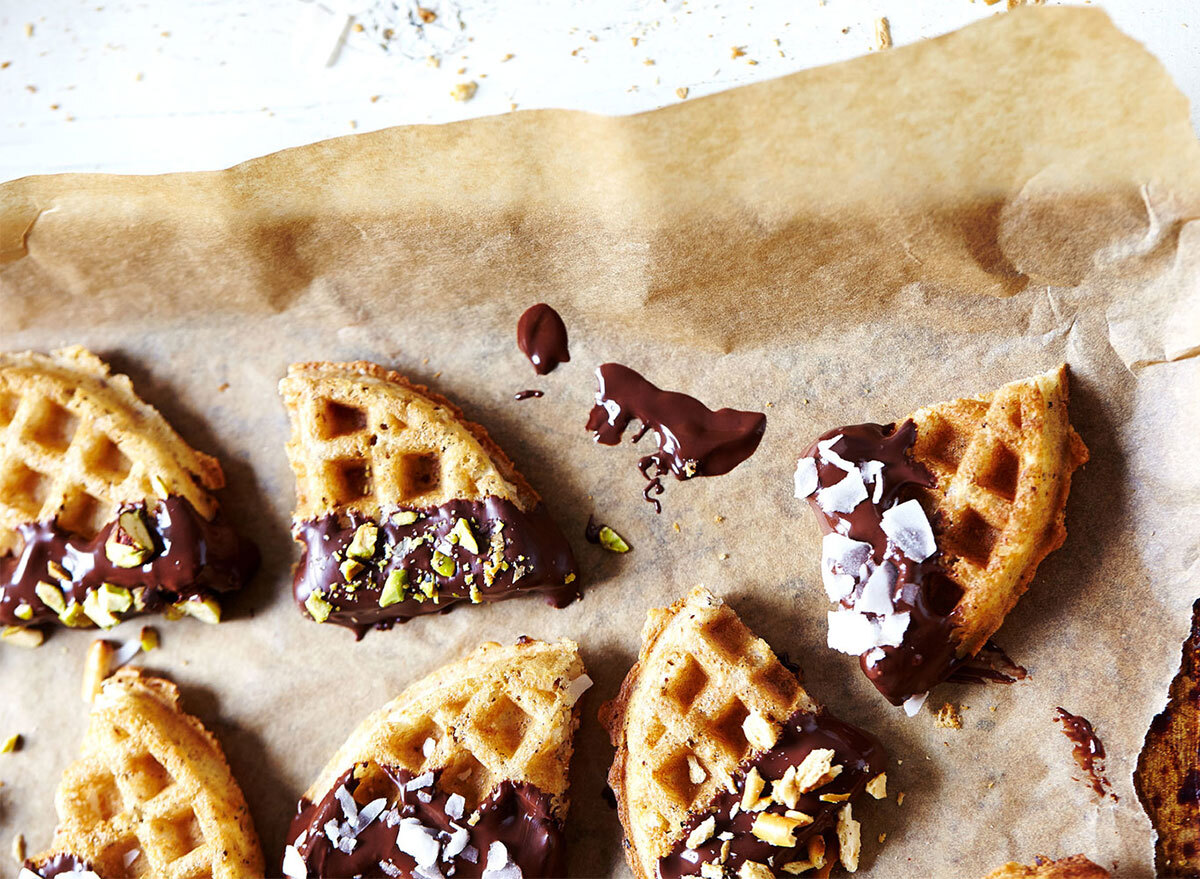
(612, 541)
(116, 599)
(427, 586)
(19, 636)
(96, 609)
(51, 596)
(366, 536)
(148, 638)
(23, 611)
(206, 610)
(443, 564)
(350, 569)
(12, 743)
(139, 598)
(394, 587)
(318, 608)
(75, 616)
(58, 572)
(569, 579)
(462, 533)
(131, 544)
(173, 613)
(404, 517)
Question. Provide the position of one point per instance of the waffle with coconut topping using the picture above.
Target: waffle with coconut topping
(151, 795)
(404, 507)
(105, 512)
(724, 765)
(464, 772)
(934, 527)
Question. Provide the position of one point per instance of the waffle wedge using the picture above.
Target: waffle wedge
(404, 507)
(935, 527)
(724, 765)
(436, 775)
(151, 794)
(104, 510)
(1074, 867)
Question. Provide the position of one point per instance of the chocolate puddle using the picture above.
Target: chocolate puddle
(518, 552)
(1088, 750)
(926, 655)
(193, 558)
(542, 337)
(693, 440)
(515, 815)
(862, 758)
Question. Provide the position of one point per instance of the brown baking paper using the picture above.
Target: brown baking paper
(841, 245)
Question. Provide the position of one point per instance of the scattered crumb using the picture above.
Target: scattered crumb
(54, 106)
(508, 56)
(28, 29)
(649, 62)
(883, 33)
(426, 15)
(900, 798)
(882, 837)
(165, 34)
(575, 52)
(12, 744)
(18, 849)
(723, 556)
(513, 105)
(948, 717)
(593, 38)
(736, 52)
(461, 71)
(375, 98)
(32, 89)
(358, 27)
(845, 30)
(718, 519)
(433, 61)
(752, 62)
(681, 92)
(633, 40)
(464, 91)
(426, 360)
(353, 124)
(4, 65)
(437, 374)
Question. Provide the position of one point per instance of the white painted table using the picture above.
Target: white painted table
(170, 86)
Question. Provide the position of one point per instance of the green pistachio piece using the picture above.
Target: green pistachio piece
(131, 544)
(363, 544)
(206, 610)
(173, 612)
(612, 541)
(465, 536)
(318, 608)
(160, 487)
(75, 617)
(443, 564)
(148, 638)
(404, 517)
(51, 596)
(98, 613)
(394, 587)
(23, 611)
(427, 587)
(569, 579)
(116, 599)
(19, 636)
(350, 569)
(58, 572)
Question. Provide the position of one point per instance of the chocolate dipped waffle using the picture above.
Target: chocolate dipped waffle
(934, 527)
(1074, 867)
(404, 507)
(151, 795)
(724, 765)
(463, 774)
(105, 512)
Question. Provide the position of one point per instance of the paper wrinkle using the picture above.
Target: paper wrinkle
(862, 240)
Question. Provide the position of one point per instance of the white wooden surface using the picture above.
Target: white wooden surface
(165, 86)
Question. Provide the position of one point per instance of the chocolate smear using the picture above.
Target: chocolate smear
(1087, 748)
(693, 440)
(542, 337)
(530, 394)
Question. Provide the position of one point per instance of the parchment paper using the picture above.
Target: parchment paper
(841, 245)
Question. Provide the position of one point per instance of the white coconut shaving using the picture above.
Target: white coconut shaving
(854, 633)
(907, 526)
(293, 864)
(417, 841)
(421, 781)
(577, 688)
(457, 842)
(805, 477)
(913, 703)
(825, 449)
(876, 594)
(843, 496)
(455, 805)
(499, 864)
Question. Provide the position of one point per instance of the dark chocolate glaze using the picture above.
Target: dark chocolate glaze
(58, 865)
(1087, 748)
(542, 337)
(517, 815)
(518, 552)
(991, 665)
(693, 440)
(927, 655)
(862, 758)
(194, 558)
(1189, 790)
(591, 532)
(530, 394)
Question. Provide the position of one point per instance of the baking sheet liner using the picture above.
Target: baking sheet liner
(841, 245)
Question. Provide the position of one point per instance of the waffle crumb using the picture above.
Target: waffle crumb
(464, 91)
(96, 667)
(736, 52)
(682, 93)
(900, 798)
(427, 16)
(18, 848)
(948, 717)
(883, 33)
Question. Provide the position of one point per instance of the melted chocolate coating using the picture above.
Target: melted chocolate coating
(518, 552)
(517, 815)
(923, 589)
(1087, 749)
(862, 758)
(693, 440)
(991, 665)
(59, 865)
(194, 558)
(542, 337)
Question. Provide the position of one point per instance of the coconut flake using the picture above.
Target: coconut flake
(843, 496)
(369, 813)
(874, 657)
(417, 841)
(455, 804)
(457, 842)
(499, 864)
(471, 854)
(840, 552)
(124, 653)
(876, 595)
(130, 856)
(293, 864)
(349, 807)
(913, 703)
(577, 688)
(420, 781)
(892, 627)
(907, 526)
(431, 872)
(333, 831)
(424, 796)
(346, 845)
(805, 478)
(825, 448)
(851, 632)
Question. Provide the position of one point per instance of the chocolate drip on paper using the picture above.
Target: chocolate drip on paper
(542, 337)
(193, 558)
(530, 394)
(861, 756)
(991, 665)
(693, 440)
(923, 589)
(515, 814)
(1087, 749)
(519, 552)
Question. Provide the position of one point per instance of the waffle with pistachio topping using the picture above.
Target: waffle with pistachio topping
(1074, 867)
